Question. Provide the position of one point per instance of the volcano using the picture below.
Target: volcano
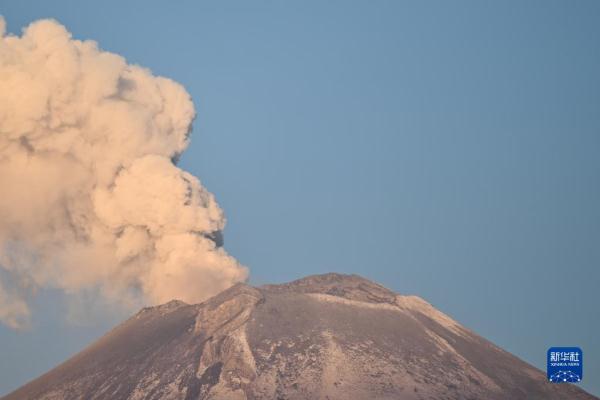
(327, 336)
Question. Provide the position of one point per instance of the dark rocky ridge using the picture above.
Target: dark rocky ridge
(322, 337)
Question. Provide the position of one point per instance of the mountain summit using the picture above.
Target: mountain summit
(327, 336)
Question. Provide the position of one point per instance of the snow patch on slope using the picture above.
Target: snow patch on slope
(404, 304)
(355, 303)
(415, 303)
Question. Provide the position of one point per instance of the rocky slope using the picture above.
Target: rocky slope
(322, 337)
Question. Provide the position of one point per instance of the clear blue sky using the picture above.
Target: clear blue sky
(444, 149)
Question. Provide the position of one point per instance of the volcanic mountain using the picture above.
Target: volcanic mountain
(322, 337)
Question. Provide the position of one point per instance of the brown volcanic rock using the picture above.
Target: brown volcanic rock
(322, 337)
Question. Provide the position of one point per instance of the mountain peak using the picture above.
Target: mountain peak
(330, 336)
(351, 287)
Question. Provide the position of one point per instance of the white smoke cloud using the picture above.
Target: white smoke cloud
(90, 198)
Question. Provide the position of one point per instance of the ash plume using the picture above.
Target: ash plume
(91, 198)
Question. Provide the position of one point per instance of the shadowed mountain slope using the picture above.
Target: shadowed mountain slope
(321, 337)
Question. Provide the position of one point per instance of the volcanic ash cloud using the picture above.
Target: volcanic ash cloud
(91, 200)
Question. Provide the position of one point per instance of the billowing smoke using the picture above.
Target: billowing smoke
(90, 197)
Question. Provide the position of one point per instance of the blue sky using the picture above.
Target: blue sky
(444, 149)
